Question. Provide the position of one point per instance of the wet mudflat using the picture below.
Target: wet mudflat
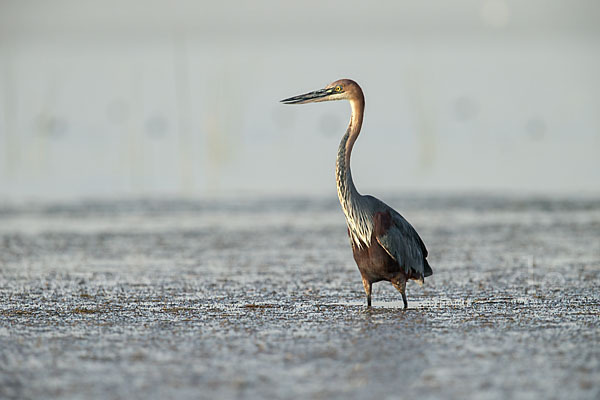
(191, 299)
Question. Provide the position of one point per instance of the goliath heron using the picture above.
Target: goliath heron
(385, 246)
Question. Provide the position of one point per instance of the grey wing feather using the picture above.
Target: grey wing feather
(403, 243)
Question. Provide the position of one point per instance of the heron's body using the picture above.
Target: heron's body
(385, 246)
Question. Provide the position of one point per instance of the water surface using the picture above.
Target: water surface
(261, 299)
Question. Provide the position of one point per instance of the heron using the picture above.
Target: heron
(385, 246)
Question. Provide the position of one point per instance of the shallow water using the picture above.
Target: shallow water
(186, 299)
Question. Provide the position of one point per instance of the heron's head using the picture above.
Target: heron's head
(343, 89)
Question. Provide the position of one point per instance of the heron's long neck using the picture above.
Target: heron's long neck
(347, 192)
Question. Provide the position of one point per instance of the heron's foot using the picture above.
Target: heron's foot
(368, 286)
(400, 285)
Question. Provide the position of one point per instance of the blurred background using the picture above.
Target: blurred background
(153, 98)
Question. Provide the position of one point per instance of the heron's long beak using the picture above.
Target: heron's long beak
(317, 95)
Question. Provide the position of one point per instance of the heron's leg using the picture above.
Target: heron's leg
(400, 285)
(367, 285)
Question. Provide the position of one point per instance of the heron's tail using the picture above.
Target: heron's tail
(427, 271)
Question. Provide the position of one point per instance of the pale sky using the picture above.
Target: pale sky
(136, 98)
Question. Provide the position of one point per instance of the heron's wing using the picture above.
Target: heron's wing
(400, 221)
(402, 242)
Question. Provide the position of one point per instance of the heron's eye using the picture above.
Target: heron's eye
(338, 88)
